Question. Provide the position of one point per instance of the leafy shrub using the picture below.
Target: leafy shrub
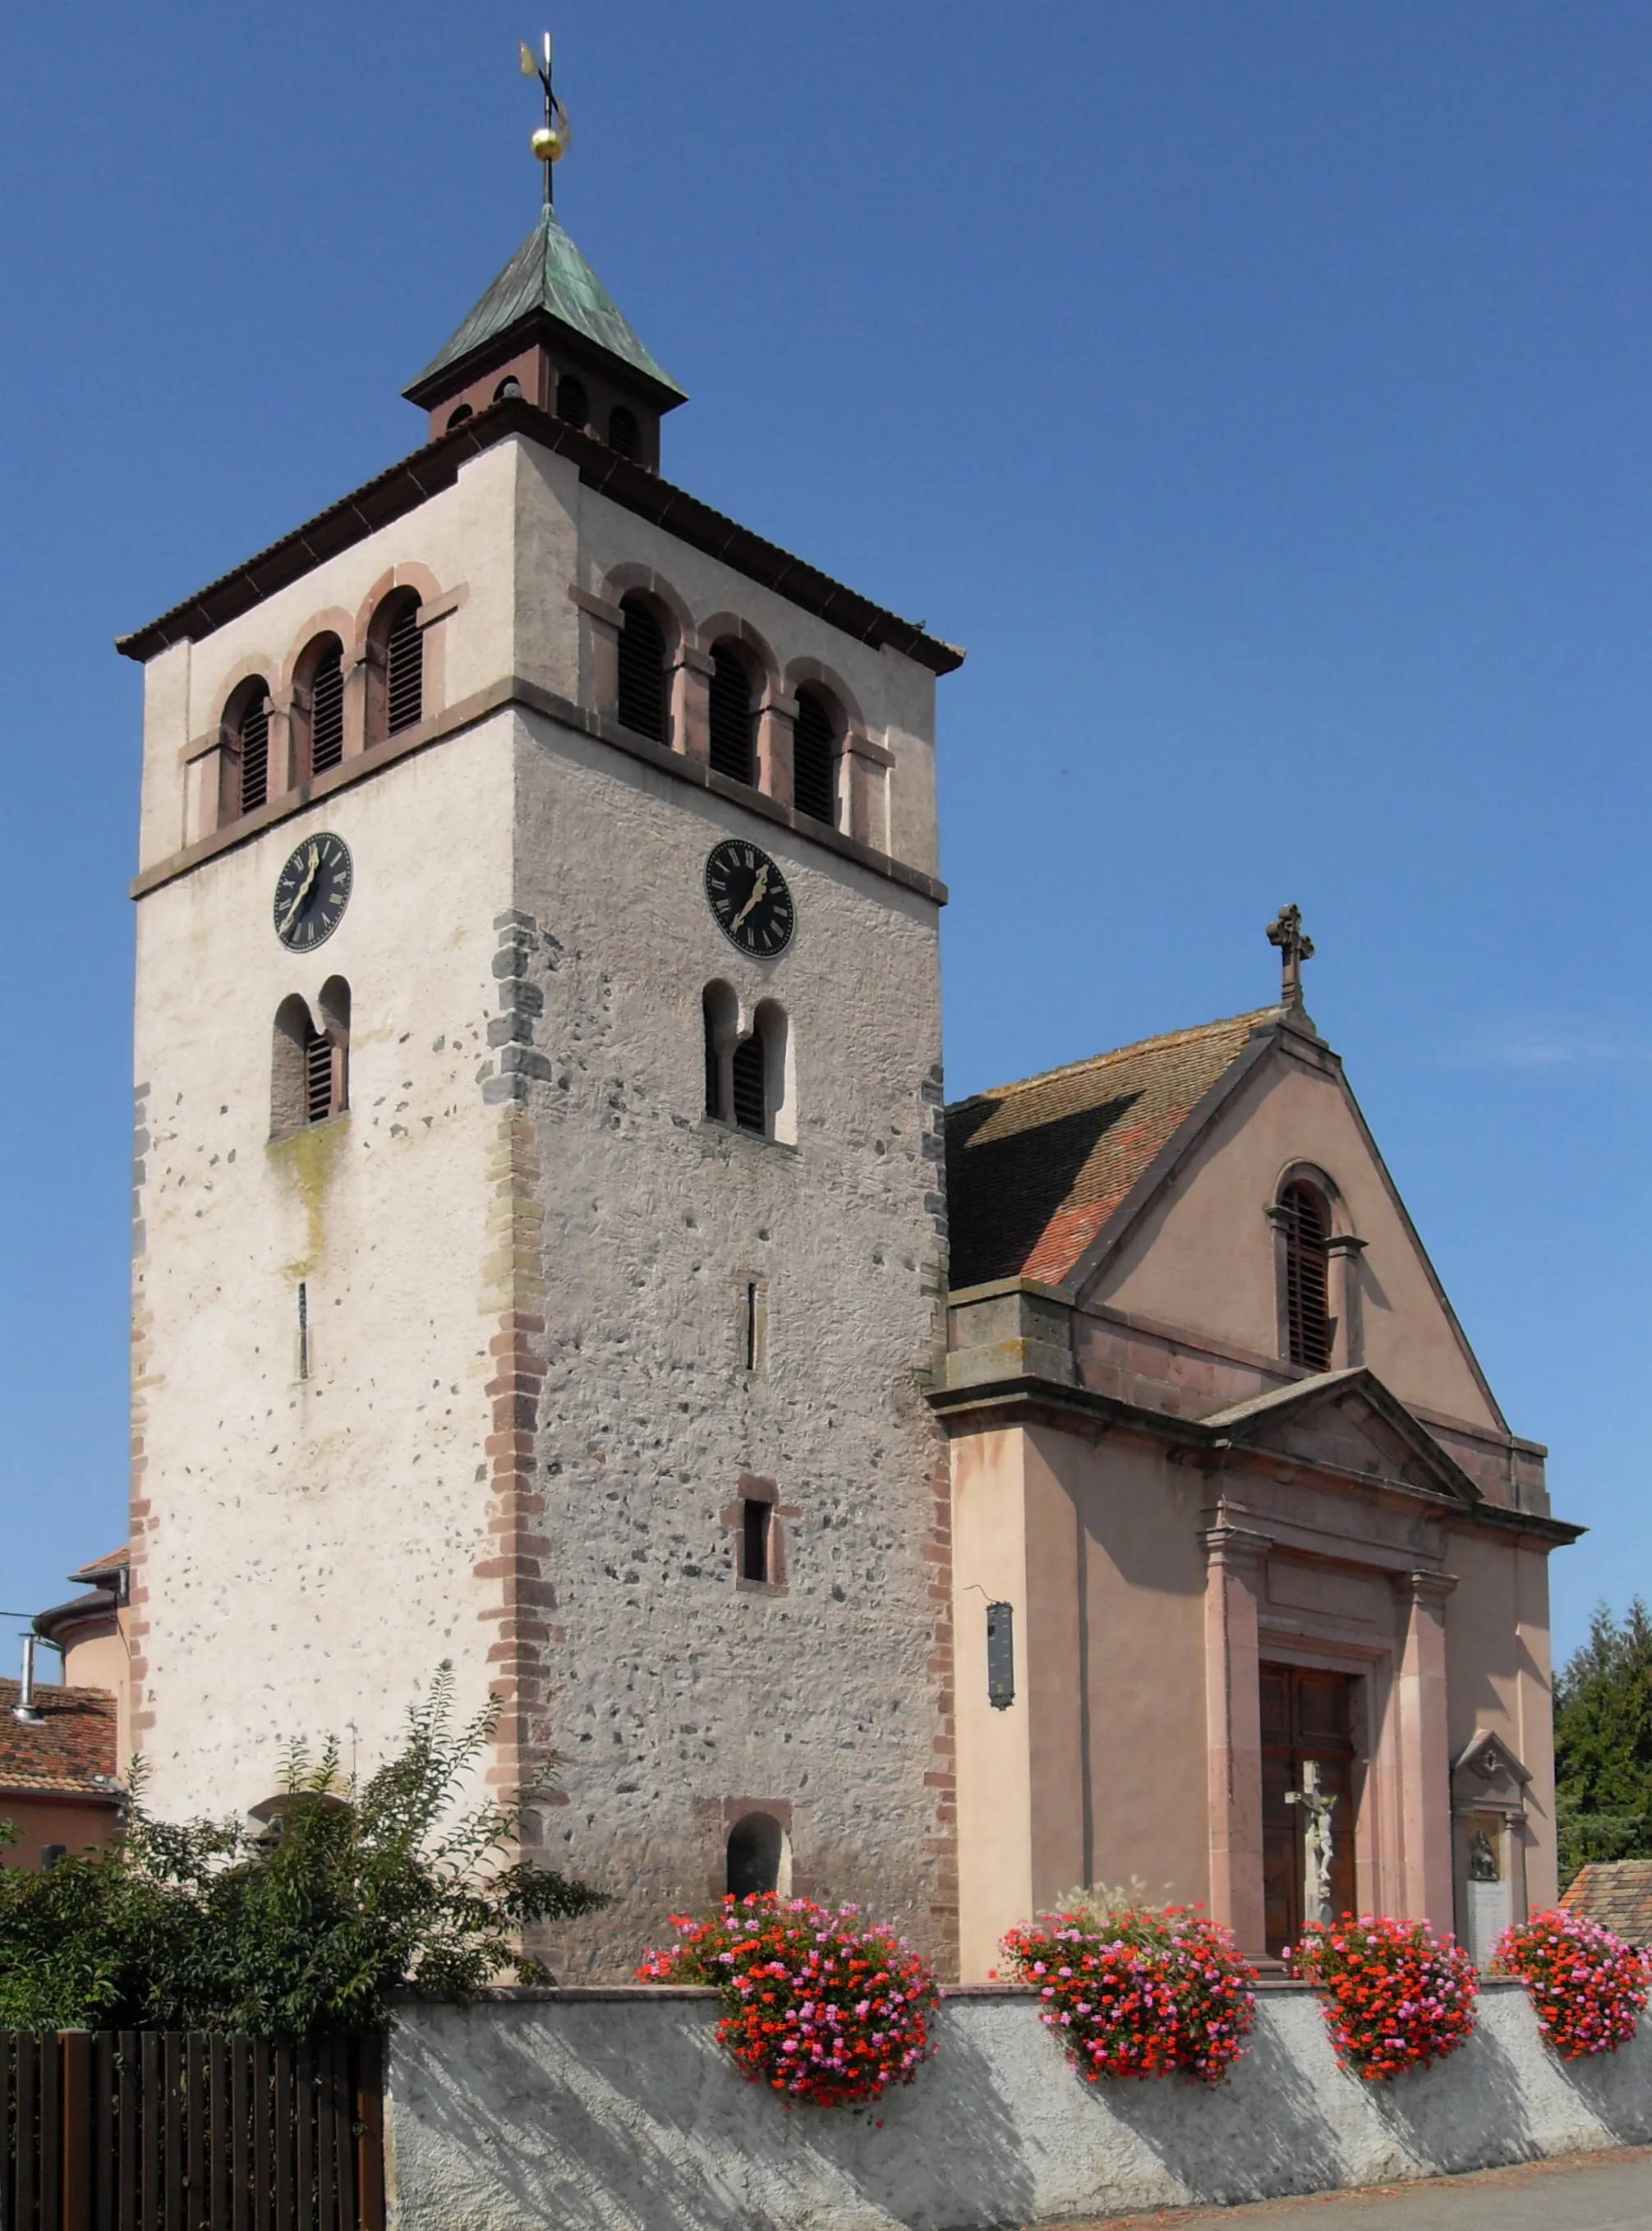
(818, 2005)
(1587, 1987)
(1397, 1996)
(1134, 1989)
(357, 1892)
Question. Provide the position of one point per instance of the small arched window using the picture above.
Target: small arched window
(573, 403)
(729, 713)
(320, 705)
(457, 418)
(815, 743)
(245, 781)
(642, 670)
(624, 437)
(758, 1859)
(1306, 1222)
(510, 387)
(309, 1080)
(397, 667)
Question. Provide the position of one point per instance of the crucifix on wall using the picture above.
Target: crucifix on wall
(1316, 1842)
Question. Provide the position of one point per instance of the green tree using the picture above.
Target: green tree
(1602, 1742)
(352, 1892)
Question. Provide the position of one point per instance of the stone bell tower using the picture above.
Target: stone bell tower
(539, 1229)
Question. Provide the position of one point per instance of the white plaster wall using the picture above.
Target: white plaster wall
(614, 2115)
(674, 1689)
(305, 1549)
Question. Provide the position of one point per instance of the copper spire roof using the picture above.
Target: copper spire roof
(547, 277)
(1035, 1169)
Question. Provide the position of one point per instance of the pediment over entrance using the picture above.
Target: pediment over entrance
(1347, 1421)
(1487, 1777)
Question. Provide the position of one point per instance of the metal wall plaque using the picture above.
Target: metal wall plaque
(1000, 1655)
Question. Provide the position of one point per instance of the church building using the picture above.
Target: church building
(553, 1255)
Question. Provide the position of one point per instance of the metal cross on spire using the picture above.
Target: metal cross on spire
(1285, 931)
(554, 136)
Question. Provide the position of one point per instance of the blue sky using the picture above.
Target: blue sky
(1260, 391)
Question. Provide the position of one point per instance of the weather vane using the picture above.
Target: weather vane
(552, 139)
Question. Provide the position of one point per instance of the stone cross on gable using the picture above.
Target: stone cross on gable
(1285, 931)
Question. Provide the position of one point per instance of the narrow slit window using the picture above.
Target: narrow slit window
(751, 1343)
(730, 715)
(756, 1523)
(304, 1330)
(1307, 1232)
(405, 670)
(326, 711)
(642, 671)
(815, 758)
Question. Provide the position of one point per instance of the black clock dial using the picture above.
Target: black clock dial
(750, 898)
(312, 892)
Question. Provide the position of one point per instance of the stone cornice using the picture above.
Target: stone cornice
(428, 471)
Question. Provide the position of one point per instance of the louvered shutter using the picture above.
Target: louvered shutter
(750, 1113)
(813, 757)
(327, 712)
(730, 715)
(255, 754)
(318, 1077)
(573, 403)
(1307, 1277)
(405, 680)
(642, 671)
(625, 438)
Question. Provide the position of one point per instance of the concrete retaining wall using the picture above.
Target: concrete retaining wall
(605, 2110)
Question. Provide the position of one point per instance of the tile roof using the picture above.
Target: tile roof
(1618, 1893)
(1035, 1170)
(99, 1566)
(63, 1754)
(549, 274)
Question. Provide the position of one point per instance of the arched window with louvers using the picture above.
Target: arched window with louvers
(642, 706)
(396, 667)
(731, 712)
(318, 707)
(625, 435)
(1302, 1217)
(244, 783)
(309, 1079)
(817, 747)
(572, 403)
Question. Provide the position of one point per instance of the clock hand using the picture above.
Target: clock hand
(303, 892)
(759, 892)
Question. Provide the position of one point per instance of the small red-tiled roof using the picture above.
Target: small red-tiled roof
(1618, 1893)
(63, 1753)
(1035, 1170)
(99, 1566)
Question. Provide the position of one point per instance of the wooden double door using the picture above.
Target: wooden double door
(1305, 1715)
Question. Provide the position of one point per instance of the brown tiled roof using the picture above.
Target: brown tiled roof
(99, 1566)
(1035, 1169)
(1618, 1893)
(63, 1753)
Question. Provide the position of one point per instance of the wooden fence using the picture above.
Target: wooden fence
(144, 2130)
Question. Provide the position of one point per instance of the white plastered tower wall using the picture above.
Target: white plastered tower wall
(525, 1250)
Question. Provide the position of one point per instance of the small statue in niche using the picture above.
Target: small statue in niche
(1483, 1859)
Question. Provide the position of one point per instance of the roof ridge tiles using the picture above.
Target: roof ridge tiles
(1165, 1040)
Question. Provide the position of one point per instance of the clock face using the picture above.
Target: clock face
(312, 892)
(750, 898)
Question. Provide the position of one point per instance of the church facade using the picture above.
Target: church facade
(541, 1250)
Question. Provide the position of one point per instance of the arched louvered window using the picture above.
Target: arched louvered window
(573, 403)
(730, 713)
(642, 671)
(1306, 1225)
(751, 1084)
(326, 706)
(244, 785)
(405, 670)
(310, 1067)
(624, 437)
(814, 756)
